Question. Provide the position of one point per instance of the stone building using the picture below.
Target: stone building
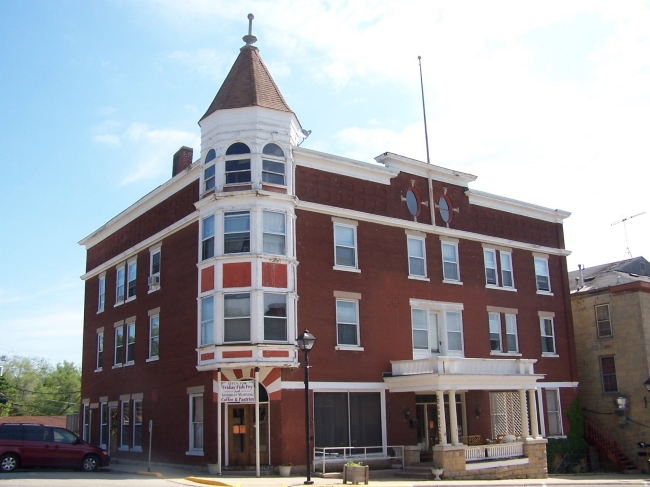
(611, 319)
(441, 313)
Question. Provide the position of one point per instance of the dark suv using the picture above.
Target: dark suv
(35, 445)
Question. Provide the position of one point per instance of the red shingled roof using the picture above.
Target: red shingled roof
(58, 421)
(248, 84)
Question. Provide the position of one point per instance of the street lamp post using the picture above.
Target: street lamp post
(305, 342)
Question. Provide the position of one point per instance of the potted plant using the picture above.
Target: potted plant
(285, 469)
(437, 472)
(355, 472)
(213, 467)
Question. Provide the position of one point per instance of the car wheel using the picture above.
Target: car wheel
(8, 462)
(90, 463)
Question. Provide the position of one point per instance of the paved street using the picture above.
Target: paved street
(161, 475)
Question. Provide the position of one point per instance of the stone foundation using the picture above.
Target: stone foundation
(452, 459)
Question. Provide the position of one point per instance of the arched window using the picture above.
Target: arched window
(273, 170)
(273, 150)
(208, 174)
(238, 148)
(238, 170)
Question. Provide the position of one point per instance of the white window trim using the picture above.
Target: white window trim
(444, 278)
(423, 242)
(440, 308)
(101, 423)
(239, 157)
(543, 317)
(542, 258)
(355, 267)
(347, 346)
(284, 253)
(609, 315)
(127, 402)
(204, 181)
(191, 449)
(500, 351)
(127, 326)
(251, 305)
(512, 270)
(98, 366)
(133, 424)
(151, 357)
(101, 298)
(282, 160)
(518, 351)
(559, 411)
(121, 267)
(201, 322)
(122, 354)
(128, 279)
(240, 212)
(495, 268)
(152, 251)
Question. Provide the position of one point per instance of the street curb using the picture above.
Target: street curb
(150, 474)
(200, 480)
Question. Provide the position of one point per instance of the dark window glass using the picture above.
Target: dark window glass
(37, 433)
(11, 432)
(273, 150)
(238, 148)
(412, 202)
(273, 172)
(331, 419)
(336, 424)
(237, 317)
(275, 317)
(238, 171)
(445, 211)
(208, 177)
(608, 371)
(236, 232)
(63, 436)
(210, 155)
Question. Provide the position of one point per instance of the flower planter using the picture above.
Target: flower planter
(437, 472)
(285, 470)
(356, 474)
(213, 468)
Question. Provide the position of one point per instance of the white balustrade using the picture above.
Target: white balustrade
(494, 452)
(474, 453)
(461, 365)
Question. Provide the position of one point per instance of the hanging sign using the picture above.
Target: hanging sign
(238, 392)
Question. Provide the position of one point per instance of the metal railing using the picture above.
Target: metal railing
(494, 452)
(341, 455)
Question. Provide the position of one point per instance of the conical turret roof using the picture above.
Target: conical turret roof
(248, 84)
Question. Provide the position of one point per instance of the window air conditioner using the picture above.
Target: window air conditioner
(154, 280)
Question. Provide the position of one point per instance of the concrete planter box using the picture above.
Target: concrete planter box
(356, 474)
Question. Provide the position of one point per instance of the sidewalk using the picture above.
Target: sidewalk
(197, 477)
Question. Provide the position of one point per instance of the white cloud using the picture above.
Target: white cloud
(206, 62)
(108, 139)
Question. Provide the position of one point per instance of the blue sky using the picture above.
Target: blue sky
(547, 102)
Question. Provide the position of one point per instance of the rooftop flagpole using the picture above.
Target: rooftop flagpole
(424, 111)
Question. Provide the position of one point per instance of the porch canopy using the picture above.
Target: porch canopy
(448, 374)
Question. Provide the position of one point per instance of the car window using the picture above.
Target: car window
(36, 433)
(63, 436)
(11, 432)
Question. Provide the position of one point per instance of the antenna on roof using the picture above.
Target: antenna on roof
(627, 247)
(250, 39)
(424, 112)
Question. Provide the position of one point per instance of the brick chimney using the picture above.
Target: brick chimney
(182, 160)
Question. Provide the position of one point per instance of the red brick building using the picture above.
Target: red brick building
(419, 290)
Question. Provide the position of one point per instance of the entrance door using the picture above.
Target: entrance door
(241, 434)
(113, 418)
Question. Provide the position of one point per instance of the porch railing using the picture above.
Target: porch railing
(494, 452)
(340, 455)
(461, 365)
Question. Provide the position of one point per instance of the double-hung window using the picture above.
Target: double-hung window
(490, 257)
(345, 245)
(450, 270)
(196, 423)
(154, 269)
(137, 425)
(207, 238)
(237, 317)
(273, 240)
(273, 170)
(125, 424)
(554, 412)
(101, 302)
(100, 350)
(103, 429)
(603, 321)
(542, 275)
(347, 323)
(238, 170)
(130, 343)
(608, 374)
(417, 262)
(437, 328)
(119, 345)
(207, 320)
(119, 285)
(496, 318)
(548, 335)
(131, 280)
(237, 232)
(87, 421)
(507, 277)
(208, 174)
(154, 336)
(275, 317)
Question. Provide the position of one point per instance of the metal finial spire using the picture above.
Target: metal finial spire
(424, 112)
(250, 39)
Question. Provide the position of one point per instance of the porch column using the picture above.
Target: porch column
(442, 421)
(533, 413)
(524, 414)
(453, 420)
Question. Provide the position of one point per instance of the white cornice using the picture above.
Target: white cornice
(158, 195)
(422, 227)
(514, 206)
(243, 198)
(165, 232)
(377, 173)
(460, 382)
(419, 168)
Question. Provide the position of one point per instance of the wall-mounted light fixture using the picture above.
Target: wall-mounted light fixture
(478, 411)
(407, 414)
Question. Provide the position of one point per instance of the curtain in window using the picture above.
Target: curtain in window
(331, 419)
(347, 419)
